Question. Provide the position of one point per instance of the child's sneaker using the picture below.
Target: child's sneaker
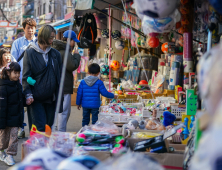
(9, 160)
(2, 155)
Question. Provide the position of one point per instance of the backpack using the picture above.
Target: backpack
(88, 31)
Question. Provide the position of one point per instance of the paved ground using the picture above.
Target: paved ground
(74, 124)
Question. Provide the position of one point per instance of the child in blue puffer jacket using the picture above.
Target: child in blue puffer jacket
(88, 95)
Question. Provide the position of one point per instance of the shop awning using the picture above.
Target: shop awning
(62, 26)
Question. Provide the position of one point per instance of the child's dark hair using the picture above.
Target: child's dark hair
(3, 51)
(94, 68)
(14, 66)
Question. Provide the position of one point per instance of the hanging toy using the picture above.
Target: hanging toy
(119, 45)
(104, 70)
(185, 20)
(184, 9)
(115, 65)
(165, 47)
(105, 33)
(153, 41)
(116, 35)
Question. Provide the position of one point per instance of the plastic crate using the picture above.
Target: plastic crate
(147, 113)
(177, 110)
(111, 117)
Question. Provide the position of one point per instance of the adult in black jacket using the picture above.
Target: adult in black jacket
(43, 64)
(72, 64)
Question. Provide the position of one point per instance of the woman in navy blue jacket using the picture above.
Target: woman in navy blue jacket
(88, 95)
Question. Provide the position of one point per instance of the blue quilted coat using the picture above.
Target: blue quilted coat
(88, 94)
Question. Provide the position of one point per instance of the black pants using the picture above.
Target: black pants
(86, 116)
(41, 114)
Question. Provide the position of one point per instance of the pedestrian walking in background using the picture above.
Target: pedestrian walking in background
(72, 64)
(11, 111)
(42, 64)
(18, 47)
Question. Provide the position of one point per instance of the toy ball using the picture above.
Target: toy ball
(153, 42)
(83, 162)
(120, 92)
(119, 140)
(116, 35)
(115, 65)
(81, 137)
(48, 157)
(104, 70)
(143, 82)
(138, 87)
(105, 33)
(155, 8)
(119, 45)
(119, 146)
(165, 47)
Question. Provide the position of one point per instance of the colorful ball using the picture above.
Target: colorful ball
(116, 35)
(104, 70)
(165, 47)
(81, 137)
(119, 45)
(115, 65)
(119, 140)
(153, 42)
(143, 82)
(105, 33)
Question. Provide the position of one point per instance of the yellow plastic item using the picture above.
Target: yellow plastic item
(145, 135)
(184, 142)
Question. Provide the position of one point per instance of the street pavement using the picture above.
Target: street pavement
(74, 124)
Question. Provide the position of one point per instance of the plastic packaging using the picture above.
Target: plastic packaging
(157, 86)
(62, 142)
(144, 135)
(154, 124)
(135, 161)
(162, 25)
(105, 125)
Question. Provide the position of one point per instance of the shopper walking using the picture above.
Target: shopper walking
(11, 111)
(42, 64)
(72, 64)
(18, 47)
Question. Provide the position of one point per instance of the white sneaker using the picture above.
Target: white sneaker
(2, 155)
(9, 160)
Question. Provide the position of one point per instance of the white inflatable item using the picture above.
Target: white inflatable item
(119, 45)
(155, 8)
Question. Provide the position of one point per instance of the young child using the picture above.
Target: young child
(88, 95)
(11, 110)
(5, 57)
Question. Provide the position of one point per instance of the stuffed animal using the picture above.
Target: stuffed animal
(168, 118)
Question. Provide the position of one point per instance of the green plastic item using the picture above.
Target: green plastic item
(31, 81)
(191, 104)
(198, 134)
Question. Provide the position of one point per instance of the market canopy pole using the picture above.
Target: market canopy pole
(114, 6)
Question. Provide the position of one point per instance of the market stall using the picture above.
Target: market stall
(148, 55)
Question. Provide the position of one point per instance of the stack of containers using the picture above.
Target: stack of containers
(188, 63)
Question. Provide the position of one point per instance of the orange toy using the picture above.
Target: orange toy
(153, 42)
(115, 65)
(143, 82)
(47, 132)
(164, 47)
(120, 92)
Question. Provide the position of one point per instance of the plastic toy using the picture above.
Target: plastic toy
(164, 47)
(47, 132)
(116, 35)
(105, 33)
(155, 8)
(142, 124)
(138, 87)
(31, 81)
(119, 45)
(104, 70)
(184, 9)
(168, 118)
(115, 65)
(81, 137)
(119, 140)
(192, 118)
(120, 92)
(186, 131)
(143, 82)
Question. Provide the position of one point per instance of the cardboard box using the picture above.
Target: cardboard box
(170, 161)
(73, 99)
